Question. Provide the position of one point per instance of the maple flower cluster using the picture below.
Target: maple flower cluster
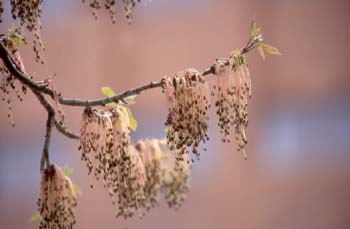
(110, 6)
(133, 175)
(233, 90)
(57, 199)
(187, 119)
(7, 80)
(107, 151)
(29, 13)
(164, 174)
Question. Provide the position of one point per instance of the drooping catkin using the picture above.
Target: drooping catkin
(99, 146)
(29, 14)
(164, 173)
(57, 200)
(223, 104)
(131, 178)
(187, 119)
(8, 82)
(111, 5)
(233, 90)
(175, 181)
(152, 158)
(108, 153)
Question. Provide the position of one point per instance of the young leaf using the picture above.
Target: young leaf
(16, 37)
(255, 31)
(132, 120)
(18, 40)
(261, 52)
(270, 49)
(107, 91)
(77, 189)
(130, 100)
(68, 171)
(241, 59)
(35, 217)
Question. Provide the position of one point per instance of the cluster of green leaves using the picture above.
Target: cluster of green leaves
(107, 91)
(262, 48)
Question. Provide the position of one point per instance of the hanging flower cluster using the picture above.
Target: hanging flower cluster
(134, 175)
(29, 13)
(187, 120)
(164, 174)
(223, 104)
(107, 151)
(57, 199)
(175, 185)
(151, 156)
(110, 6)
(233, 91)
(7, 80)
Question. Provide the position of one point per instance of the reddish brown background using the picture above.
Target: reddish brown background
(297, 175)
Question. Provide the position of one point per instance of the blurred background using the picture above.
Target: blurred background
(298, 171)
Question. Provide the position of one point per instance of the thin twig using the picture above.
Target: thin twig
(104, 101)
(45, 160)
(65, 131)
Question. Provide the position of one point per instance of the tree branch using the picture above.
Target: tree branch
(39, 89)
(14, 70)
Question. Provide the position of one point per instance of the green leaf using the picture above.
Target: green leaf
(35, 217)
(107, 91)
(132, 120)
(270, 49)
(261, 52)
(68, 171)
(241, 59)
(255, 31)
(16, 37)
(252, 28)
(130, 100)
(77, 189)
(18, 40)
